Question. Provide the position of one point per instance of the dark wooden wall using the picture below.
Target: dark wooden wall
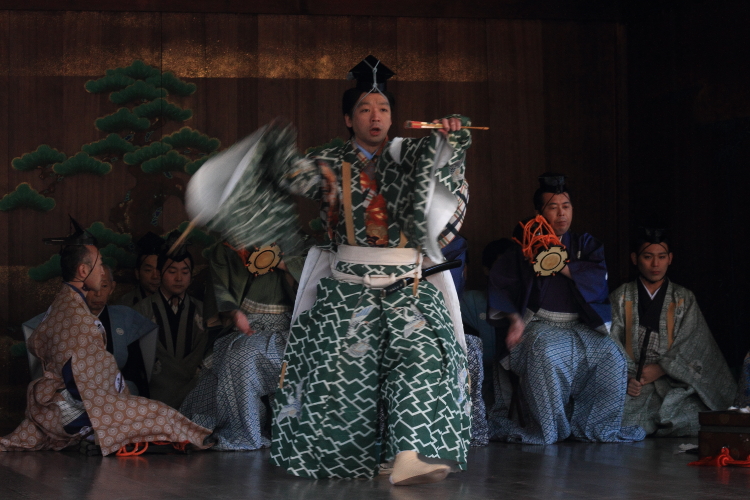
(689, 150)
(552, 91)
(548, 90)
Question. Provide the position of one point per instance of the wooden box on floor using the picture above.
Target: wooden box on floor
(721, 429)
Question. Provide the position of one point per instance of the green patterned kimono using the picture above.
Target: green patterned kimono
(697, 377)
(354, 350)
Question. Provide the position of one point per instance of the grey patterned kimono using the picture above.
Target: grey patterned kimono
(697, 377)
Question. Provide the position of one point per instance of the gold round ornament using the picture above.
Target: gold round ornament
(550, 261)
(264, 259)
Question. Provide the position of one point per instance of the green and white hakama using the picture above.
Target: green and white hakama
(355, 349)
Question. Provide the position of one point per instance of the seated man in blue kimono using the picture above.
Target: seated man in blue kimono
(572, 374)
(131, 338)
(661, 329)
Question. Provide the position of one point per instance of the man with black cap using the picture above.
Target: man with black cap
(83, 394)
(146, 271)
(182, 335)
(571, 372)
(675, 368)
(388, 206)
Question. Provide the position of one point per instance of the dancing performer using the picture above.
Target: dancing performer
(82, 394)
(388, 205)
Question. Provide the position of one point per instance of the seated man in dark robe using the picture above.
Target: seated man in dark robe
(131, 338)
(742, 399)
(683, 371)
(458, 249)
(82, 394)
(182, 335)
(146, 271)
(572, 374)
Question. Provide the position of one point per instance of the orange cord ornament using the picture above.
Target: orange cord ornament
(722, 460)
(140, 448)
(538, 237)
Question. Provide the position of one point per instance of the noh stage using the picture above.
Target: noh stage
(645, 470)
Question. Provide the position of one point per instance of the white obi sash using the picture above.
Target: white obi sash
(321, 263)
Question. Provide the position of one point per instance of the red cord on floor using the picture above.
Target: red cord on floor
(723, 459)
(140, 448)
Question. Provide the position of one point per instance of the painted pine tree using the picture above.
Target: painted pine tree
(131, 139)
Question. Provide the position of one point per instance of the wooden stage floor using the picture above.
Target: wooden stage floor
(645, 470)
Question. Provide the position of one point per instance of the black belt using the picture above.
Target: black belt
(402, 283)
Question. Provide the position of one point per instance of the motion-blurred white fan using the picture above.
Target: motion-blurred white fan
(239, 192)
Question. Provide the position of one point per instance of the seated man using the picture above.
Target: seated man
(458, 249)
(246, 360)
(133, 343)
(146, 271)
(571, 373)
(742, 399)
(683, 371)
(497, 389)
(182, 336)
(82, 393)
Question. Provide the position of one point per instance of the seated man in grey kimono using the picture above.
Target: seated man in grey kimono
(683, 371)
(146, 271)
(571, 373)
(182, 336)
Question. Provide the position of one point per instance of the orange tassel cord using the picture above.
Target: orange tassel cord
(140, 448)
(538, 235)
(722, 460)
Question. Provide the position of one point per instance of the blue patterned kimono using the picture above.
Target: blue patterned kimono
(572, 375)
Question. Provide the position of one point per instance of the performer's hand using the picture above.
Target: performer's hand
(651, 373)
(634, 387)
(515, 331)
(241, 323)
(449, 125)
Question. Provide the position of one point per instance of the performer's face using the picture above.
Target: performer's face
(176, 277)
(370, 120)
(94, 270)
(98, 299)
(148, 274)
(653, 260)
(558, 210)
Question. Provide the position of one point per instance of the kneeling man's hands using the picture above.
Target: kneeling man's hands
(634, 387)
(515, 331)
(241, 323)
(650, 374)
